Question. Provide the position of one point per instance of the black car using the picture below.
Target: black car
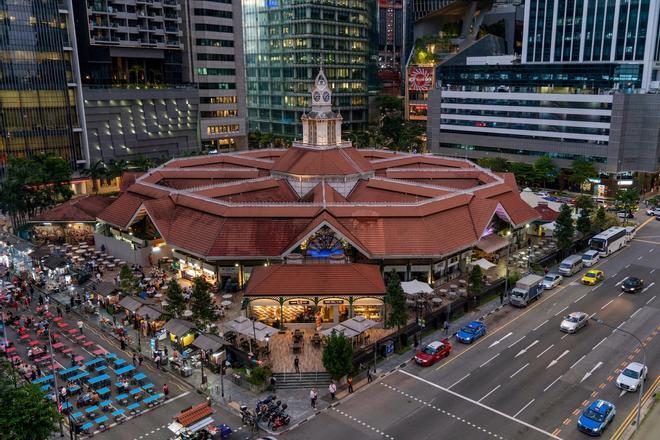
(632, 285)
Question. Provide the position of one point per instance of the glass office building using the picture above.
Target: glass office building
(38, 111)
(285, 43)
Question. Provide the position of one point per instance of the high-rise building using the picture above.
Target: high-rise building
(286, 40)
(136, 100)
(40, 101)
(214, 61)
(585, 87)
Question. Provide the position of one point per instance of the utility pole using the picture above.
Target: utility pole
(54, 373)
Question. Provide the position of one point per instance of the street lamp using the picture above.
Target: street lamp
(267, 339)
(202, 355)
(641, 382)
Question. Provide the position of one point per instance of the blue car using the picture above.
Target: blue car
(471, 332)
(596, 417)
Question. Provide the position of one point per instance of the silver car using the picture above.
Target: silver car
(551, 280)
(632, 376)
(574, 322)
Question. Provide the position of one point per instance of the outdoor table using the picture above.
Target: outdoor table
(111, 355)
(117, 260)
(80, 338)
(110, 266)
(148, 387)
(437, 300)
(98, 380)
(45, 387)
(68, 371)
(58, 319)
(25, 337)
(151, 399)
(101, 420)
(99, 352)
(33, 343)
(88, 344)
(80, 251)
(76, 415)
(122, 398)
(62, 324)
(43, 359)
(79, 376)
(91, 411)
(67, 350)
(103, 391)
(66, 405)
(58, 345)
(119, 362)
(86, 427)
(132, 407)
(225, 303)
(124, 370)
(227, 296)
(135, 392)
(297, 346)
(74, 389)
(138, 377)
(73, 331)
(100, 368)
(79, 358)
(117, 413)
(10, 350)
(453, 286)
(93, 362)
(43, 379)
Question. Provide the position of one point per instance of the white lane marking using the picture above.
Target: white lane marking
(517, 341)
(589, 373)
(556, 314)
(596, 287)
(543, 352)
(488, 361)
(652, 270)
(592, 315)
(486, 407)
(578, 361)
(579, 298)
(620, 294)
(651, 250)
(627, 266)
(601, 341)
(524, 350)
(564, 336)
(519, 370)
(608, 303)
(489, 393)
(619, 326)
(554, 382)
(500, 340)
(639, 258)
(458, 381)
(638, 310)
(647, 287)
(524, 408)
(622, 393)
(619, 283)
(649, 301)
(540, 325)
(554, 361)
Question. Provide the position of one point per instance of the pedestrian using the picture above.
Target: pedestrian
(140, 359)
(72, 302)
(349, 381)
(122, 343)
(59, 311)
(273, 382)
(332, 388)
(157, 360)
(166, 390)
(296, 364)
(312, 397)
(41, 300)
(166, 351)
(501, 297)
(31, 291)
(369, 376)
(134, 360)
(80, 327)
(445, 327)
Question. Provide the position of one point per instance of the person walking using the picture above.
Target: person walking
(80, 327)
(445, 327)
(369, 376)
(59, 311)
(296, 364)
(134, 360)
(312, 397)
(166, 390)
(332, 388)
(349, 381)
(122, 343)
(140, 359)
(157, 360)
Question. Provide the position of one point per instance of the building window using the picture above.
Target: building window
(205, 27)
(215, 71)
(214, 57)
(217, 86)
(218, 100)
(203, 12)
(220, 129)
(213, 42)
(219, 114)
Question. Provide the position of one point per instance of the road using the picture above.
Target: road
(526, 379)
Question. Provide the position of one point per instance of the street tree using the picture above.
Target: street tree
(396, 298)
(337, 355)
(584, 201)
(25, 414)
(524, 172)
(176, 303)
(564, 230)
(201, 303)
(127, 281)
(545, 169)
(581, 170)
(96, 171)
(475, 280)
(583, 224)
(626, 200)
(496, 164)
(599, 219)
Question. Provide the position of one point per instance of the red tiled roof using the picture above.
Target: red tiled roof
(315, 279)
(547, 214)
(128, 179)
(123, 209)
(519, 211)
(80, 209)
(328, 162)
(194, 414)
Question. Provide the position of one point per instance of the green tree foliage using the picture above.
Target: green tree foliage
(201, 303)
(524, 172)
(142, 163)
(565, 230)
(584, 201)
(26, 414)
(96, 171)
(127, 281)
(475, 281)
(32, 185)
(583, 224)
(626, 200)
(396, 298)
(388, 103)
(545, 169)
(599, 220)
(337, 355)
(495, 164)
(581, 170)
(116, 168)
(176, 303)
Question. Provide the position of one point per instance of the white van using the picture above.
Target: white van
(590, 258)
(570, 265)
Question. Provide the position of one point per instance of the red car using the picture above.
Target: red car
(433, 352)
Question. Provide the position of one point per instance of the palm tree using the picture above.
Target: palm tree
(143, 163)
(96, 171)
(136, 70)
(116, 168)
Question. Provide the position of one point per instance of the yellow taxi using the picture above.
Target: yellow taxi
(593, 277)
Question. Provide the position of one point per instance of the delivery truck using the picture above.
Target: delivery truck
(527, 290)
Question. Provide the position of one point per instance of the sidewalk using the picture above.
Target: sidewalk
(650, 426)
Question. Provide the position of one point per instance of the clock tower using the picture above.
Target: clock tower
(321, 126)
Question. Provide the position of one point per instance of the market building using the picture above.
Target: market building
(310, 232)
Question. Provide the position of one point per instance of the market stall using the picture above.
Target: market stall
(212, 347)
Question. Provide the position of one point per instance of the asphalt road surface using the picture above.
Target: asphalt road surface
(525, 379)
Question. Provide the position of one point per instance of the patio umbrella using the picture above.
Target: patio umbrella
(349, 333)
(483, 264)
(225, 303)
(359, 324)
(415, 287)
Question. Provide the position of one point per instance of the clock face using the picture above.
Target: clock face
(326, 96)
(316, 96)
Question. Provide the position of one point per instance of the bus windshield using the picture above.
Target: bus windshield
(598, 244)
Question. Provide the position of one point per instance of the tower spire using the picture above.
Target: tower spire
(321, 126)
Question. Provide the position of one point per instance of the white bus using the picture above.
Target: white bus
(609, 241)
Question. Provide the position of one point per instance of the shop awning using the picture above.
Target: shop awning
(129, 303)
(179, 327)
(483, 264)
(196, 417)
(244, 326)
(40, 253)
(415, 287)
(492, 243)
(149, 313)
(209, 343)
(349, 333)
(53, 262)
(104, 288)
